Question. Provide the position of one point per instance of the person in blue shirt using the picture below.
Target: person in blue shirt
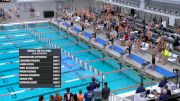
(88, 95)
(93, 84)
(140, 89)
(163, 82)
(164, 95)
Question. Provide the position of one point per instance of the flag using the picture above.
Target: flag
(68, 54)
(89, 68)
(73, 57)
(76, 60)
(83, 64)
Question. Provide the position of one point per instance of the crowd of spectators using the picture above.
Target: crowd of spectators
(93, 93)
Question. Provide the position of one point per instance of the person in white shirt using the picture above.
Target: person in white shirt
(164, 23)
(77, 19)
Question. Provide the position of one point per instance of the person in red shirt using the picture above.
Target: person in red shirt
(126, 36)
(58, 97)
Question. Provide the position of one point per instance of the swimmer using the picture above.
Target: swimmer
(154, 52)
(110, 43)
(94, 36)
(72, 21)
(129, 47)
(138, 44)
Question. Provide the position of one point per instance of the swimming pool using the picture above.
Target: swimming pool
(17, 37)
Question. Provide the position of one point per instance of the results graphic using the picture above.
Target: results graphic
(39, 68)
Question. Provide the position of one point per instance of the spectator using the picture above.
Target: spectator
(75, 98)
(105, 92)
(121, 31)
(32, 12)
(97, 93)
(17, 13)
(41, 98)
(176, 44)
(165, 54)
(168, 91)
(68, 96)
(88, 95)
(164, 23)
(1, 15)
(113, 33)
(126, 36)
(80, 96)
(140, 89)
(178, 30)
(163, 82)
(164, 95)
(52, 98)
(132, 36)
(93, 84)
(58, 97)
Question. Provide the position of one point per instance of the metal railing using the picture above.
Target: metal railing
(114, 97)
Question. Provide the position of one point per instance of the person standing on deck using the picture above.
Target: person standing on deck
(154, 52)
(105, 92)
(141, 88)
(1, 15)
(80, 96)
(72, 21)
(32, 12)
(68, 96)
(93, 84)
(88, 95)
(97, 93)
(58, 97)
(129, 46)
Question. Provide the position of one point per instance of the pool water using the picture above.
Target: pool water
(17, 37)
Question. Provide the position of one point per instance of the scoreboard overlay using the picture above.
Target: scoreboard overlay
(39, 68)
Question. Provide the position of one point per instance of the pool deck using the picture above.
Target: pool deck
(123, 59)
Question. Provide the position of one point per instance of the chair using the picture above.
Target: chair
(173, 58)
(145, 47)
